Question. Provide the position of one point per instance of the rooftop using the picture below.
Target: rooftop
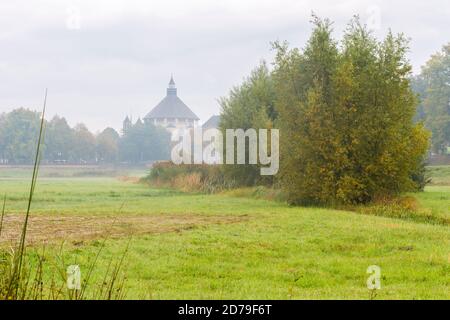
(212, 122)
(171, 106)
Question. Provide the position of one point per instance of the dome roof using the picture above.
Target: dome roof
(171, 107)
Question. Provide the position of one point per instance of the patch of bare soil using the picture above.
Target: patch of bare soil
(77, 229)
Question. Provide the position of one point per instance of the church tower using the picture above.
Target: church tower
(127, 124)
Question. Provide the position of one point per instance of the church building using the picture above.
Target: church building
(172, 113)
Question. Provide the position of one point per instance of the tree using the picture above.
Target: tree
(433, 86)
(144, 142)
(107, 145)
(19, 131)
(59, 140)
(346, 117)
(84, 144)
(250, 105)
(2, 138)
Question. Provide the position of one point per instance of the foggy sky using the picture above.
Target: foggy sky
(102, 60)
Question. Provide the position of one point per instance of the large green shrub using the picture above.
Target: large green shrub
(346, 117)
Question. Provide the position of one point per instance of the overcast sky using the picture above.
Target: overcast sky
(104, 59)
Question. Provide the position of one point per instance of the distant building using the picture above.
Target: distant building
(172, 113)
(127, 124)
(214, 157)
(212, 122)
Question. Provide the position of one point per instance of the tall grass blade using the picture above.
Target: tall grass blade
(33, 182)
(3, 214)
(15, 279)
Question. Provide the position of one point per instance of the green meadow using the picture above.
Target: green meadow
(225, 246)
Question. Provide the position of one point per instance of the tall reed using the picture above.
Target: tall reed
(3, 214)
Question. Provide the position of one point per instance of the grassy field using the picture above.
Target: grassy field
(226, 247)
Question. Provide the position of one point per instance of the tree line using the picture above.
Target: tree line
(347, 116)
(63, 144)
(433, 87)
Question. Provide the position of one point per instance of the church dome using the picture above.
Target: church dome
(171, 106)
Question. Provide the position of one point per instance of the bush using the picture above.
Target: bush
(421, 177)
(401, 208)
(259, 192)
(345, 111)
(188, 177)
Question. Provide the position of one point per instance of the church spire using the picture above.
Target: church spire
(127, 124)
(172, 89)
